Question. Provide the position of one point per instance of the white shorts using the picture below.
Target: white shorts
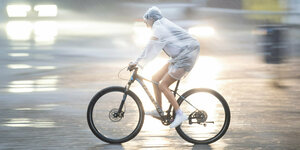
(183, 63)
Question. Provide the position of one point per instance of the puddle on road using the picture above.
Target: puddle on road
(47, 83)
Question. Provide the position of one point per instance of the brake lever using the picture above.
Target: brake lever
(130, 68)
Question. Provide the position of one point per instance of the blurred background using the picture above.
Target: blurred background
(41, 31)
(55, 54)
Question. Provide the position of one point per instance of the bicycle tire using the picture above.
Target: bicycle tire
(226, 118)
(97, 98)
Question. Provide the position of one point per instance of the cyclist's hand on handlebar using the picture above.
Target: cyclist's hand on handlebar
(131, 66)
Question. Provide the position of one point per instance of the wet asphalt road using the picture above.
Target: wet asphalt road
(44, 95)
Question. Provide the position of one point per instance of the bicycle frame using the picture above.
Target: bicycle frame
(166, 119)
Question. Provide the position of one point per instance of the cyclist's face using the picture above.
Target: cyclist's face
(149, 22)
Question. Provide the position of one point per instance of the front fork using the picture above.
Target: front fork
(125, 94)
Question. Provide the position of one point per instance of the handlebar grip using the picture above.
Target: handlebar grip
(132, 68)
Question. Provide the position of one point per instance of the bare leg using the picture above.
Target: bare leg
(164, 87)
(157, 77)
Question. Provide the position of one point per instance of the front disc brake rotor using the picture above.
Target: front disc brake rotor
(115, 116)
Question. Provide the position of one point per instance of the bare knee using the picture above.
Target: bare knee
(162, 86)
(156, 78)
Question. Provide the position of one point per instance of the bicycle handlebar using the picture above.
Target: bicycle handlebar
(132, 68)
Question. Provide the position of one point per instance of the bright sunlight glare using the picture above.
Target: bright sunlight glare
(17, 10)
(21, 30)
(46, 10)
(202, 31)
(45, 31)
(204, 73)
(141, 34)
(18, 30)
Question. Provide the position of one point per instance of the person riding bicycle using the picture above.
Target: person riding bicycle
(177, 44)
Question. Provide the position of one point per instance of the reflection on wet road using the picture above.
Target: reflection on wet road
(47, 83)
(31, 122)
(26, 122)
(18, 54)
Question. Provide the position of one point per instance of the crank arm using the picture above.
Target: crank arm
(209, 122)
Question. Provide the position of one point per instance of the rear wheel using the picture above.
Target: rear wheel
(209, 116)
(110, 125)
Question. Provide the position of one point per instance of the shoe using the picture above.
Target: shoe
(153, 113)
(178, 120)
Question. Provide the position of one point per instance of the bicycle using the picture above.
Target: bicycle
(116, 114)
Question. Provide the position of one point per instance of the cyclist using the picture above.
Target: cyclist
(177, 44)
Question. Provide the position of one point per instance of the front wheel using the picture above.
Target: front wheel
(209, 116)
(108, 122)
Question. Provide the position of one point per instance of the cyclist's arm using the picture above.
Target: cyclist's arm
(152, 49)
